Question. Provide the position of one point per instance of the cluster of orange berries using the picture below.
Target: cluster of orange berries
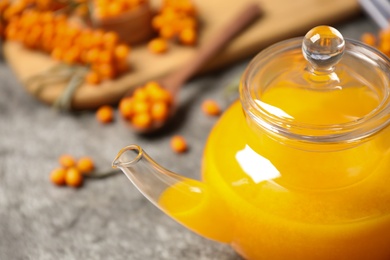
(148, 105)
(108, 8)
(71, 172)
(34, 23)
(10, 9)
(105, 115)
(69, 43)
(134, 106)
(175, 20)
(380, 41)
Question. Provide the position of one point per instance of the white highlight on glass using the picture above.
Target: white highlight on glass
(256, 166)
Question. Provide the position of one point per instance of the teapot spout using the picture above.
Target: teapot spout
(146, 175)
(187, 201)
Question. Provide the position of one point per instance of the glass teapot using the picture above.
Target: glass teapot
(299, 167)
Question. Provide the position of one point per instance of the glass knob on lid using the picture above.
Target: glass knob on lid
(323, 47)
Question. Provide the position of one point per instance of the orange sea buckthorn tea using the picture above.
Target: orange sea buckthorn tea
(299, 169)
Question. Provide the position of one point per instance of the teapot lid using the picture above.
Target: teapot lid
(319, 88)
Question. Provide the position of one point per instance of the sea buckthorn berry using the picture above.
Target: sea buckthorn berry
(126, 107)
(106, 56)
(157, 93)
(141, 120)
(66, 160)
(159, 111)
(158, 22)
(141, 106)
(384, 34)
(93, 78)
(158, 45)
(73, 177)
(188, 22)
(111, 39)
(140, 94)
(57, 176)
(72, 32)
(72, 55)
(152, 86)
(188, 36)
(167, 31)
(114, 9)
(106, 71)
(384, 47)
(57, 53)
(85, 165)
(97, 38)
(178, 144)
(105, 114)
(93, 55)
(161, 95)
(211, 107)
(121, 52)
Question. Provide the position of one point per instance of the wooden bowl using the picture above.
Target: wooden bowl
(133, 27)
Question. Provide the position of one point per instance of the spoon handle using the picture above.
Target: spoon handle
(174, 81)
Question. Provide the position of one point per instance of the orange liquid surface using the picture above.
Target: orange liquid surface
(292, 203)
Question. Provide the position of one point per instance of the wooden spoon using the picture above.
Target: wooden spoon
(174, 81)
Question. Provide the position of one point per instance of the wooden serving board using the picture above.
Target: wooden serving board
(281, 19)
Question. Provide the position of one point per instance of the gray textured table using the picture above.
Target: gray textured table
(106, 219)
